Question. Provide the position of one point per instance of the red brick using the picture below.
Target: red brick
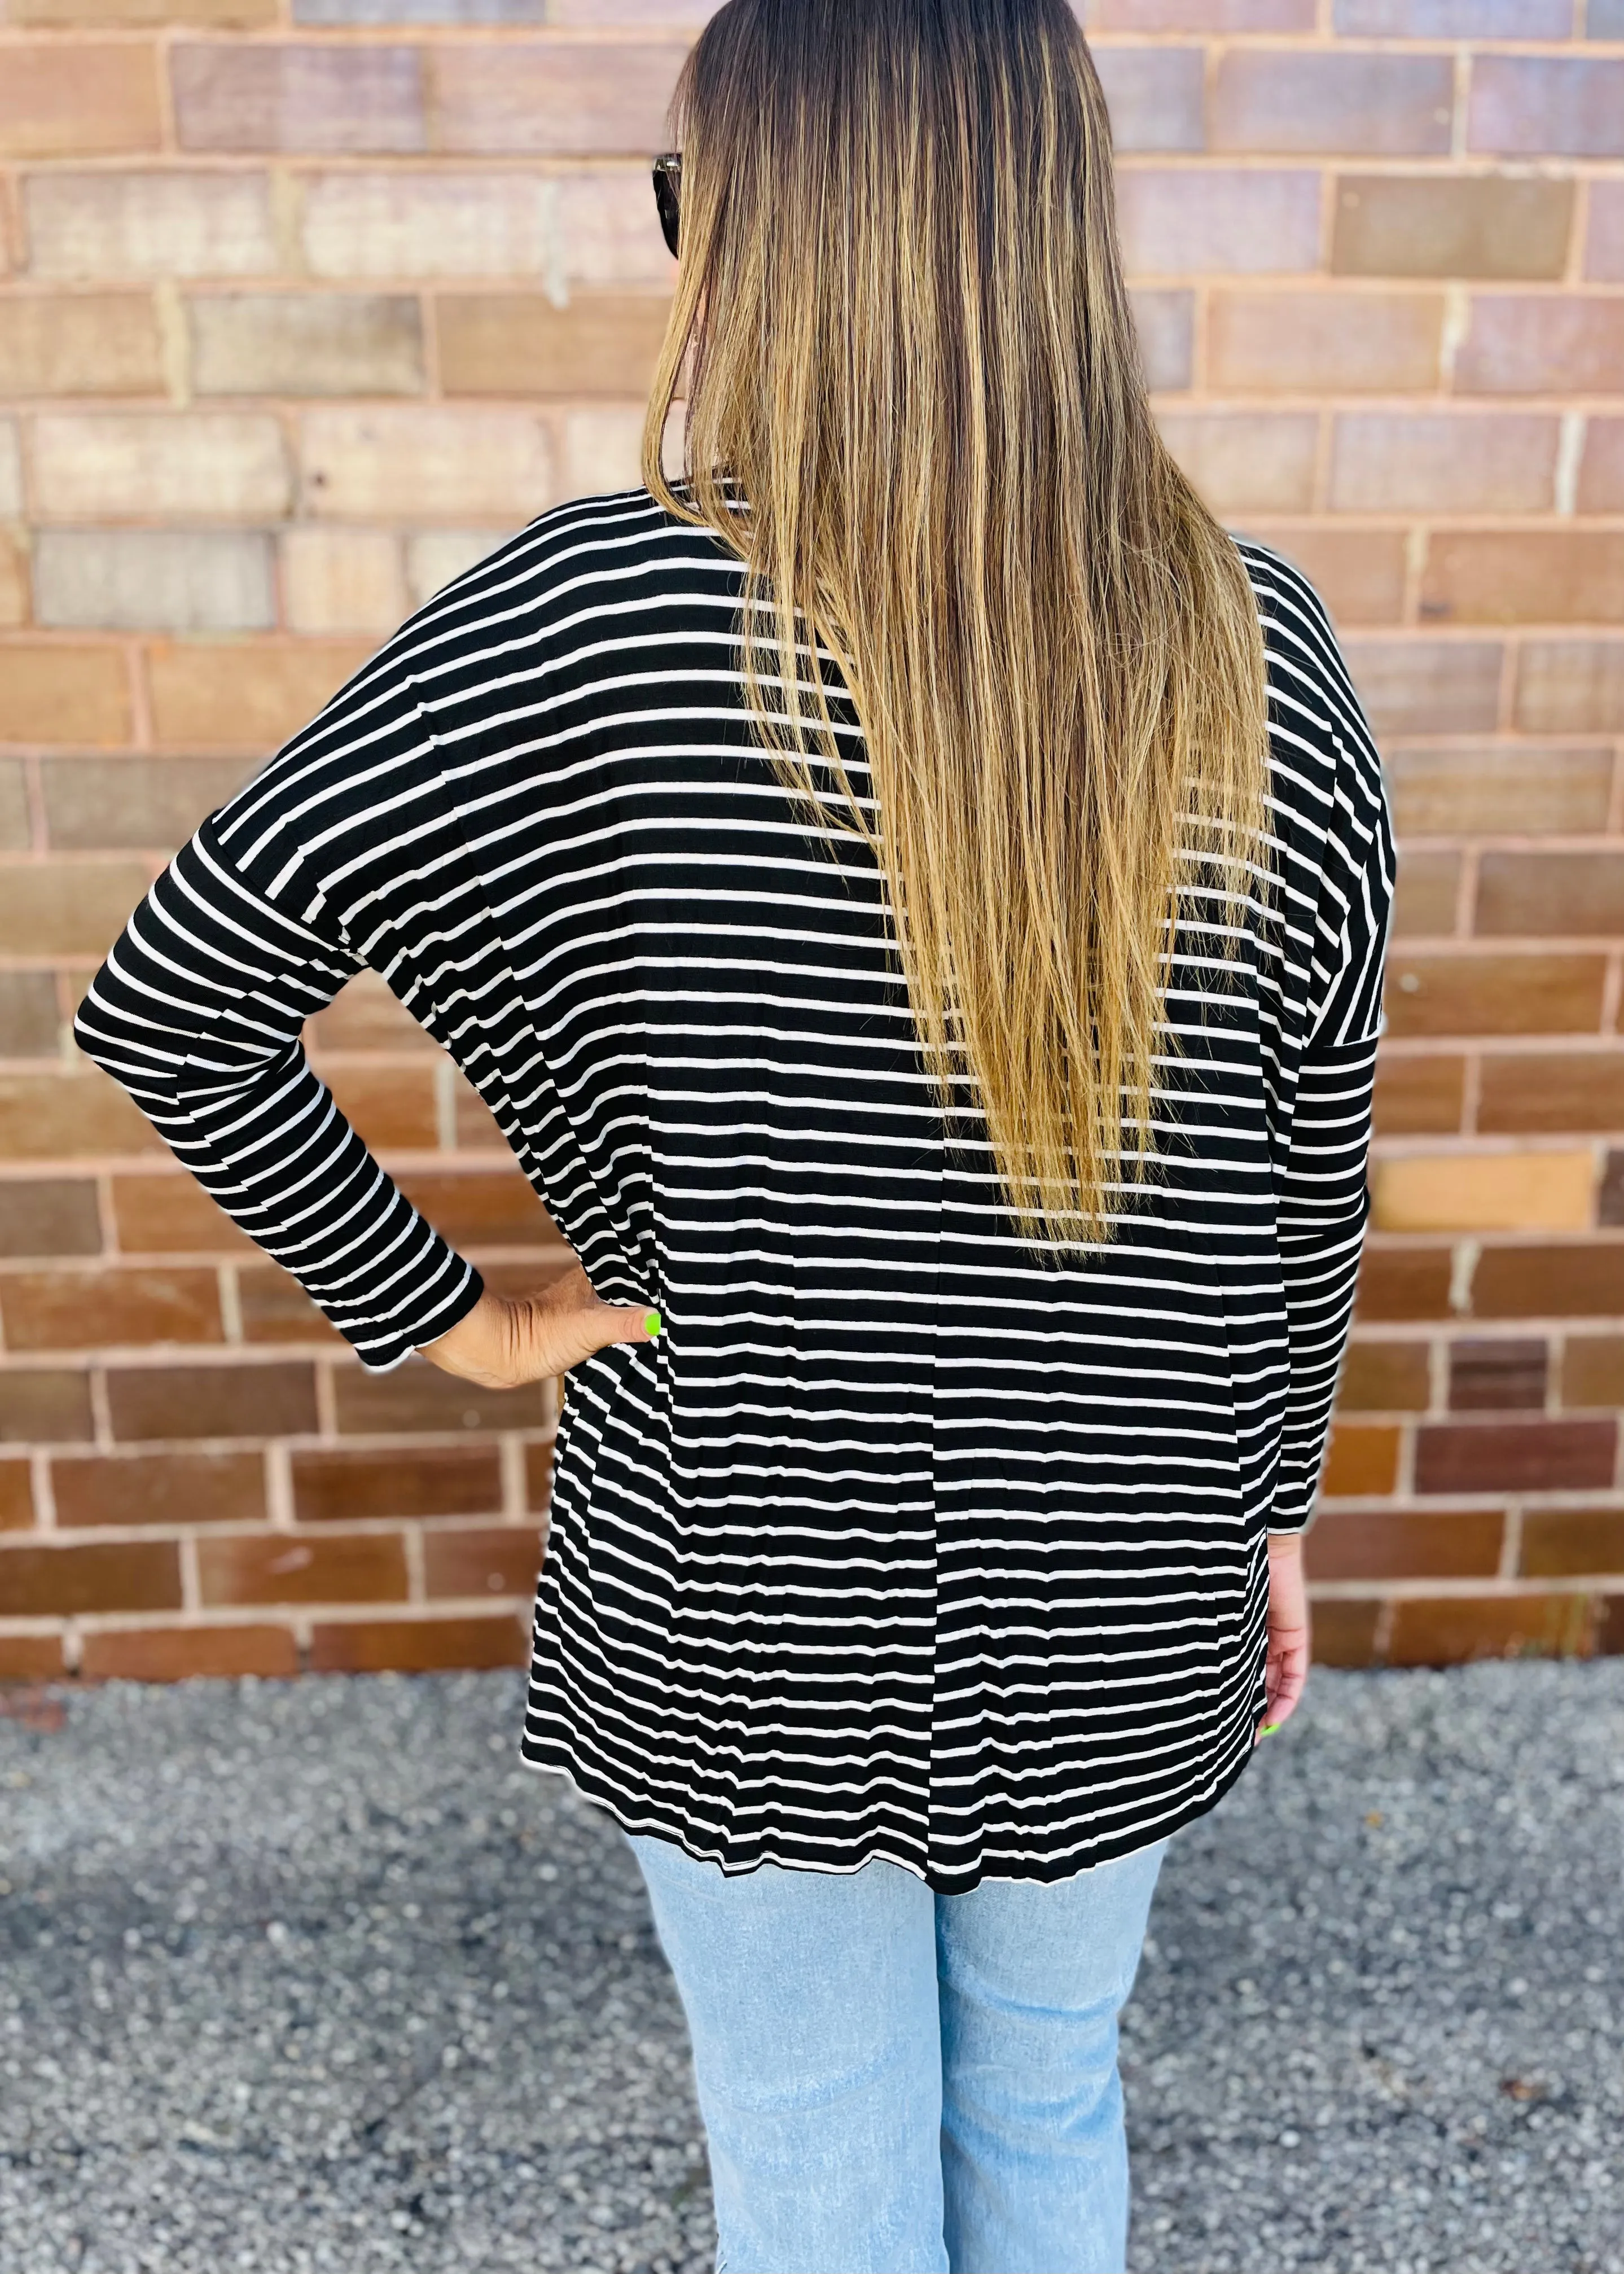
(42, 1405)
(99, 1490)
(521, 343)
(1449, 1190)
(477, 1129)
(1604, 250)
(1550, 1282)
(170, 1215)
(587, 96)
(308, 343)
(1426, 894)
(1532, 994)
(31, 1658)
(55, 1216)
(1471, 462)
(211, 1401)
(1451, 225)
(416, 1398)
(1343, 1633)
(1191, 220)
(1593, 1370)
(1447, 1631)
(1537, 106)
(132, 1575)
(1601, 469)
(220, 14)
(151, 222)
(1245, 461)
(30, 1017)
(276, 1568)
(1416, 1544)
(366, 1017)
(180, 1653)
(494, 1561)
(15, 576)
(94, 804)
(389, 1107)
(1362, 1462)
(58, 100)
(1514, 1456)
(1571, 686)
(143, 466)
(1358, 573)
(297, 96)
(1154, 95)
(425, 1480)
(416, 1646)
(1343, 343)
(227, 694)
(79, 343)
(1428, 685)
(1521, 344)
(1570, 1543)
(74, 909)
(275, 1308)
(1565, 1091)
(411, 222)
(1318, 100)
(1385, 1378)
(1498, 1376)
(1454, 19)
(1500, 789)
(1202, 15)
(1537, 893)
(1505, 576)
(487, 1208)
(476, 468)
(85, 1310)
(16, 1495)
(1404, 1282)
(1420, 1097)
(63, 691)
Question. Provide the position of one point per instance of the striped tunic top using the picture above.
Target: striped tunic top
(901, 1541)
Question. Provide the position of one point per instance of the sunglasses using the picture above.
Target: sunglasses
(667, 189)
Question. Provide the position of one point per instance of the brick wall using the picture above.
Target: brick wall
(305, 303)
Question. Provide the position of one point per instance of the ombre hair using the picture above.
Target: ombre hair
(915, 411)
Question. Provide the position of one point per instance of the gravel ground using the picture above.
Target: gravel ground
(315, 1976)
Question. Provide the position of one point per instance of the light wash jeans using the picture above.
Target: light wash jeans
(895, 2081)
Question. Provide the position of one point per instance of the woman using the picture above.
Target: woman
(913, 894)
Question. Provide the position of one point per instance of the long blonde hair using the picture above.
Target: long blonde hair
(915, 412)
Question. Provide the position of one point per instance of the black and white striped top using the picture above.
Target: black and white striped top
(900, 1541)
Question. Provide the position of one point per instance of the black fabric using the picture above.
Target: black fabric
(900, 1541)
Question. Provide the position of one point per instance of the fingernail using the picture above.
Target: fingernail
(651, 1324)
(1268, 1729)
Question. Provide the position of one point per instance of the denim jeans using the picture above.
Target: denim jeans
(895, 2081)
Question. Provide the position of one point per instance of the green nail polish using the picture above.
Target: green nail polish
(651, 1324)
(1268, 1729)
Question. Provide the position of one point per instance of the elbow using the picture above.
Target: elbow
(96, 1026)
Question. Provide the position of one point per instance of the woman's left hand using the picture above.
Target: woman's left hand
(1286, 1672)
(507, 1340)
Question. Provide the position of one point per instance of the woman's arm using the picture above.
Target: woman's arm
(197, 1012)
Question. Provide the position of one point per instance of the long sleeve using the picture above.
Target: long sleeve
(1321, 1190)
(197, 1012)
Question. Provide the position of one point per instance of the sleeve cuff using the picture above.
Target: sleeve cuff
(383, 1355)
